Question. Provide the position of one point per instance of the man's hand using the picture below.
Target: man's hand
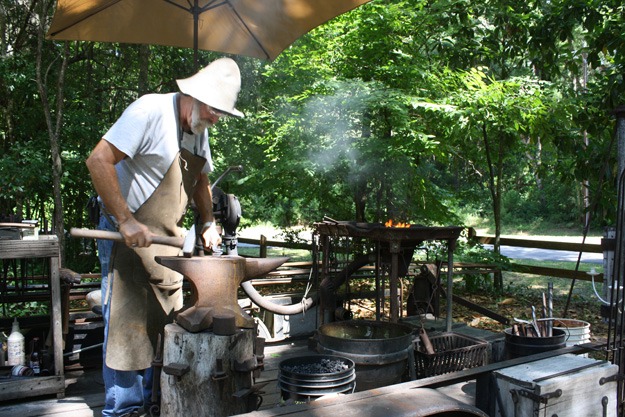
(210, 235)
(135, 233)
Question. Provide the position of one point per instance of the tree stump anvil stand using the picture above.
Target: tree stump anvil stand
(205, 374)
(211, 353)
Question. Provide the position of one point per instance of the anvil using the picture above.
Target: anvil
(214, 283)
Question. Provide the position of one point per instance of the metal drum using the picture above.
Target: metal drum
(517, 346)
(380, 350)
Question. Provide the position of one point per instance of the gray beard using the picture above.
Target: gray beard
(198, 126)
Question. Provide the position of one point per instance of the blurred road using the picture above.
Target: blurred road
(514, 252)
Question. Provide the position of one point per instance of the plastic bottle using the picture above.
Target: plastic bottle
(15, 344)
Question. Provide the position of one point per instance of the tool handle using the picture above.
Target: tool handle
(426, 342)
(116, 236)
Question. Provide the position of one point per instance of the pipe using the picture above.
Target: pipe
(83, 349)
(262, 302)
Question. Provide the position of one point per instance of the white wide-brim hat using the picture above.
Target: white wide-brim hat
(217, 85)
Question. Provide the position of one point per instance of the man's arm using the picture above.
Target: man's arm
(101, 165)
(203, 198)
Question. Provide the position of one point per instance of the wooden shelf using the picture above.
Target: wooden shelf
(46, 247)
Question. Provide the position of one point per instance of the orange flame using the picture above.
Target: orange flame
(391, 223)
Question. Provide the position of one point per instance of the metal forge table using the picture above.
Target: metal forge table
(392, 244)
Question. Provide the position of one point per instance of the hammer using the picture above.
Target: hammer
(187, 243)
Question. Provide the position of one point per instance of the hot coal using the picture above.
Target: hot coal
(325, 366)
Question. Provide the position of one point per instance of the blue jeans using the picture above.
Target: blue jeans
(124, 390)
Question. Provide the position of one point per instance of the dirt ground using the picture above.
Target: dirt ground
(512, 307)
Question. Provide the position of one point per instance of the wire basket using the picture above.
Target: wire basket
(453, 352)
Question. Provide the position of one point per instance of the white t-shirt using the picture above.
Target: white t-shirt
(148, 133)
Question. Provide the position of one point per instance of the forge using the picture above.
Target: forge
(388, 249)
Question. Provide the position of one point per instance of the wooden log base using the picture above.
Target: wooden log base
(211, 387)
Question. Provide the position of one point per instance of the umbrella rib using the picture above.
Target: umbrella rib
(213, 4)
(93, 13)
(190, 9)
(247, 28)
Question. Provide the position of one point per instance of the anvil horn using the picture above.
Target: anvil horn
(258, 267)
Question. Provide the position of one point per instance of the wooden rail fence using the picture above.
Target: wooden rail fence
(297, 271)
(514, 267)
(549, 245)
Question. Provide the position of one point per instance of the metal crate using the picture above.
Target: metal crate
(452, 352)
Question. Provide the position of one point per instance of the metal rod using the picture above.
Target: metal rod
(394, 248)
(83, 349)
(450, 282)
(378, 263)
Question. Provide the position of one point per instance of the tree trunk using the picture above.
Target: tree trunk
(53, 126)
(360, 183)
(144, 61)
(360, 199)
(494, 186)
(209, 387)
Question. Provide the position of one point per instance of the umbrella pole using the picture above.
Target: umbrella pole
(196, 24)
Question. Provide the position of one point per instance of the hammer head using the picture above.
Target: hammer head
(189, 243)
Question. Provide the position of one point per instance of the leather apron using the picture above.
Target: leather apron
(146, 295)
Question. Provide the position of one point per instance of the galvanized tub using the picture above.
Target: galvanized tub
(380, 350)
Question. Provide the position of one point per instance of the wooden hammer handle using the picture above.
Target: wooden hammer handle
(116, 236)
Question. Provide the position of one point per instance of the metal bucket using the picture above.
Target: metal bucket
(379, 349)
(517, 346)
(577, 331)
(307, 378)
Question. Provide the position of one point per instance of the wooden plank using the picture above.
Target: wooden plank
(480, 309)
(474, 271)
(470, 265)
(22, 387)
(19, 249)
(88, 405)
(288, 272)
(278, 281)
(553, 272)
(18, 225)
(271, 400)
(288, 245)
(276, 353)
(299, 264)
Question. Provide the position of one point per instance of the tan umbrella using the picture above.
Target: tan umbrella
(256, 28)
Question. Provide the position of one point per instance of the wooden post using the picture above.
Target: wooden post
(203, 371)
(263, 246)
